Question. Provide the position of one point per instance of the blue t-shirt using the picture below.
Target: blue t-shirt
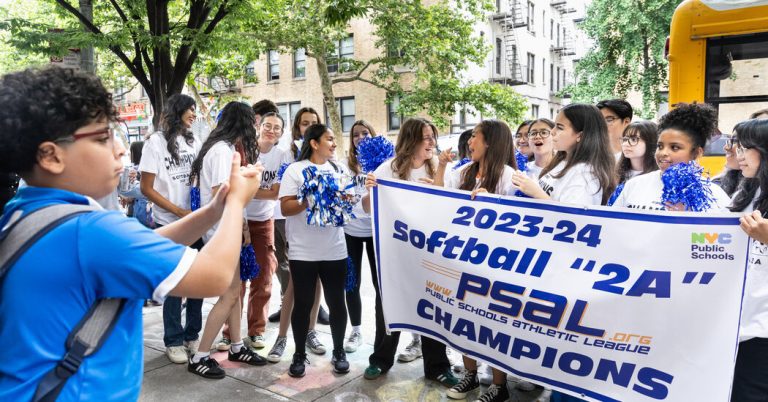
(49, 289)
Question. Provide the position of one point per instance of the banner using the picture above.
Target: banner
(600, 303)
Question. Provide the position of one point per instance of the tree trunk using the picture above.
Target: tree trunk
(86, 53)
(330, 101)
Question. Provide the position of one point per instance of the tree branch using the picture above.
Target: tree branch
(358, 76)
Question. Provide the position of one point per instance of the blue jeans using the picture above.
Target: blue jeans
(173, 333)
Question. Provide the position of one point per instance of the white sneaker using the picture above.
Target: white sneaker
(176, 354)
(314, 344)
(192, 346)
(255, 342)
(353, 342)
(277, 351)
(411, 352)
(223, 344)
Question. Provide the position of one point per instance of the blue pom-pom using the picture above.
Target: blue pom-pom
(327, 202)
(683, 184)
(194, 198)
(373, 151)
(519, 193)
(461, 163)
(522, 161)
(249, 268)
(281, 171)
(615, 194)
(349, 285)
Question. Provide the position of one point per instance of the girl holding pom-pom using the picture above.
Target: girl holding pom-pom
(234, 133)
(314, 251)
(683, 133)
(581, 171)
(750, 381)
(358, 234)
(413, 161)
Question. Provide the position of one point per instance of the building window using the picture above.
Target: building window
(343, 49)
(551, 77)
(250, 69)
(498, 56)
(535, 111)
(394, 118)
(530, 17)
(274, 65)
(552, 28)
(558, 79)
(552, 113)
(543, 71)
(300, 63)
(564, 83)
(531, 68)
(558, 35)
(498, 6)
(288, 112)
(346, 108)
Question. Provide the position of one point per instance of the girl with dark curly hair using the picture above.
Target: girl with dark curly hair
(165, 165)
(683, 133)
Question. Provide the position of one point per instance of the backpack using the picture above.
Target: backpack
(87, 337)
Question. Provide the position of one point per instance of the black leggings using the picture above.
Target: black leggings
(332, 275)
(750, 379)
(355, 251)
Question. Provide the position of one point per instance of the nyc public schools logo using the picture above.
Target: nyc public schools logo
(711, 246)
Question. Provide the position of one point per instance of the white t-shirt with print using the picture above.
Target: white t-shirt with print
(503, 187)
(533, 170)
(310, 242)
(263, 210)
(385, 172)
(217, 165)
(361, 225)
(171, 178)
(644, 192)
(578, 186)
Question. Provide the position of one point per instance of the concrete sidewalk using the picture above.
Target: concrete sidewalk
(168, 382)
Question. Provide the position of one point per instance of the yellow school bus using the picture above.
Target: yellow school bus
(718, 54)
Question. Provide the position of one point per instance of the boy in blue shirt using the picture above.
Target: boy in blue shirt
(55, 133)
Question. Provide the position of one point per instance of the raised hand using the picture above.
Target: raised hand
(244, 181)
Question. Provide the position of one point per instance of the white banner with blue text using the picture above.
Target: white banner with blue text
(600, 303)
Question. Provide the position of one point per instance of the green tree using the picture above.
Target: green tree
(158, 42)
(629, 38)
(425, 48)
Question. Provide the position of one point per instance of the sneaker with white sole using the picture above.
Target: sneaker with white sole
(495, 393)
(247, 356)
(411, 352)
(255, 342)
(353, 342)
(314, 344)
(467, 384)
(223, 344)
(206, 367)
(278, 349)
(176, 354)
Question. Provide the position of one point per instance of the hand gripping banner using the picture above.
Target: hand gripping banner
(599, 303)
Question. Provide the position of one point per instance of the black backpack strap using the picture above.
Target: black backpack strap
(18, 235)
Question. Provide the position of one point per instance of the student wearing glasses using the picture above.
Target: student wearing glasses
(521, 138)
(683, 133)
(540, 143)
(617, 114)
(729, 179)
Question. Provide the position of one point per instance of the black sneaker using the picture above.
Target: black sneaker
(467, 384)
(297, 366)
(248, 356)
(495, 393)
(339, 362)
(206, 367)
(275, 317)
(323, 317)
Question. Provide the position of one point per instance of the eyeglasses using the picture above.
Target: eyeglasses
(740, 150)
(611, 119)
(539, 133)
(274, 129)
(730, 141)
(630, 140)
(77, 136)
(520, 136)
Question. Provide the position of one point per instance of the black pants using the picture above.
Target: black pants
(332, 274)
(750, 379)
(385, 346)
(355, 250)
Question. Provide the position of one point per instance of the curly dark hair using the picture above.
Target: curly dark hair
(697, 120)
(40, 105)
(171, 124)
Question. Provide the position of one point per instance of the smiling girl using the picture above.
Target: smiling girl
(683, 134)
